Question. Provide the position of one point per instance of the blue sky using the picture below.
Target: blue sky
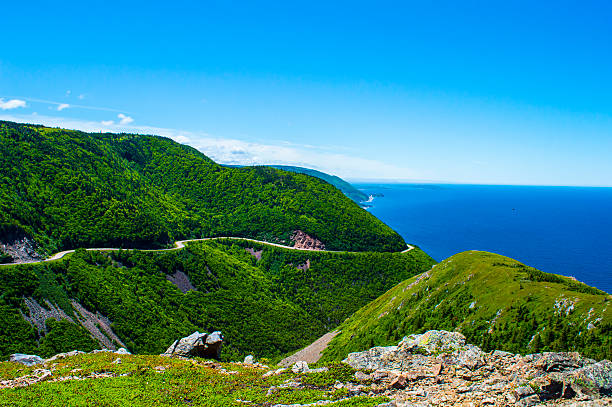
(478, 92)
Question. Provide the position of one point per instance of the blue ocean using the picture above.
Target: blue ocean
(562, 230)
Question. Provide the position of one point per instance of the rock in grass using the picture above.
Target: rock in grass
(249, 360)
(300, 367)
(28, 360)
(198, 344)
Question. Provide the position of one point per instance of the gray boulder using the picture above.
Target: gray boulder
(594, 379)
(410, 352)
(28, 360)
(470, 356)
(198, 344)
(371, 359)
(559, 361)
(65, 355)
(433, 342)
(300, 367)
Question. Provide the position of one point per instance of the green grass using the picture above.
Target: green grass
(155, 381)
(520, 299)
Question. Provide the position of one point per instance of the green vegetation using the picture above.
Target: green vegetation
(496, 302)
(162, 381)
(70, 189)
(5, 258)
(337, 372)
(346, 188)
(267, 307)
(64, 335)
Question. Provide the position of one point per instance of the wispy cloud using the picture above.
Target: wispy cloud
(240, 152)
(123, 119)
(51, 102)
(62, 106)
(11, 104)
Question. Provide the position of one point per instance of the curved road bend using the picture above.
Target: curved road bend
(179, 244)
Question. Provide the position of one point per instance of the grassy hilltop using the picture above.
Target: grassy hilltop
(496, 302)
(70, 189)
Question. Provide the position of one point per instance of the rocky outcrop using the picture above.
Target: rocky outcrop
(255, 253)
(198, 344)
(181, 281)
(28, 360)
(438, 368)
(21, 248)
(303, 241)
(98, 326)
(38, 314)
(31, 360)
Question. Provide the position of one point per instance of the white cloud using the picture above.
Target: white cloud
(11, 104)
(231, 151)
(68, 92)
(81, 96)
(62, 106)
(124, 119)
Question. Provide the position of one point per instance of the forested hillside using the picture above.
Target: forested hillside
(70, 189)
(496, 302)
(346, 188)
(266, 300)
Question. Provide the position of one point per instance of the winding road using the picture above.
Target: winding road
(180, 244)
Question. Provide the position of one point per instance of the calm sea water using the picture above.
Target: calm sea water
(562, 230)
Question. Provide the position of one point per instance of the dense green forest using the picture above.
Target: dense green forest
(496, 302)
(346, 188)
(266, 307)
(70, 189)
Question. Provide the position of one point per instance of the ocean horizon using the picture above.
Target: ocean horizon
(561, 230)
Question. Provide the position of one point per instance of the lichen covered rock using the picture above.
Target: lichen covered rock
(198, 344)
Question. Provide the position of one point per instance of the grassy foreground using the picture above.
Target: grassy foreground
(98, 380)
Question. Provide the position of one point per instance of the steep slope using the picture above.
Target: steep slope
(69, 189)
(145, 300)
(346, 188)
(496, 302)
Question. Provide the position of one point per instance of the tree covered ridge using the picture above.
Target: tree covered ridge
(266, 307)
(69, 189)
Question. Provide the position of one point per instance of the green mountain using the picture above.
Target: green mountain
(267, 301)
(496, 302)
(346, 188)
(70, 189)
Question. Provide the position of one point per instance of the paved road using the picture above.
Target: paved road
(179, 244)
